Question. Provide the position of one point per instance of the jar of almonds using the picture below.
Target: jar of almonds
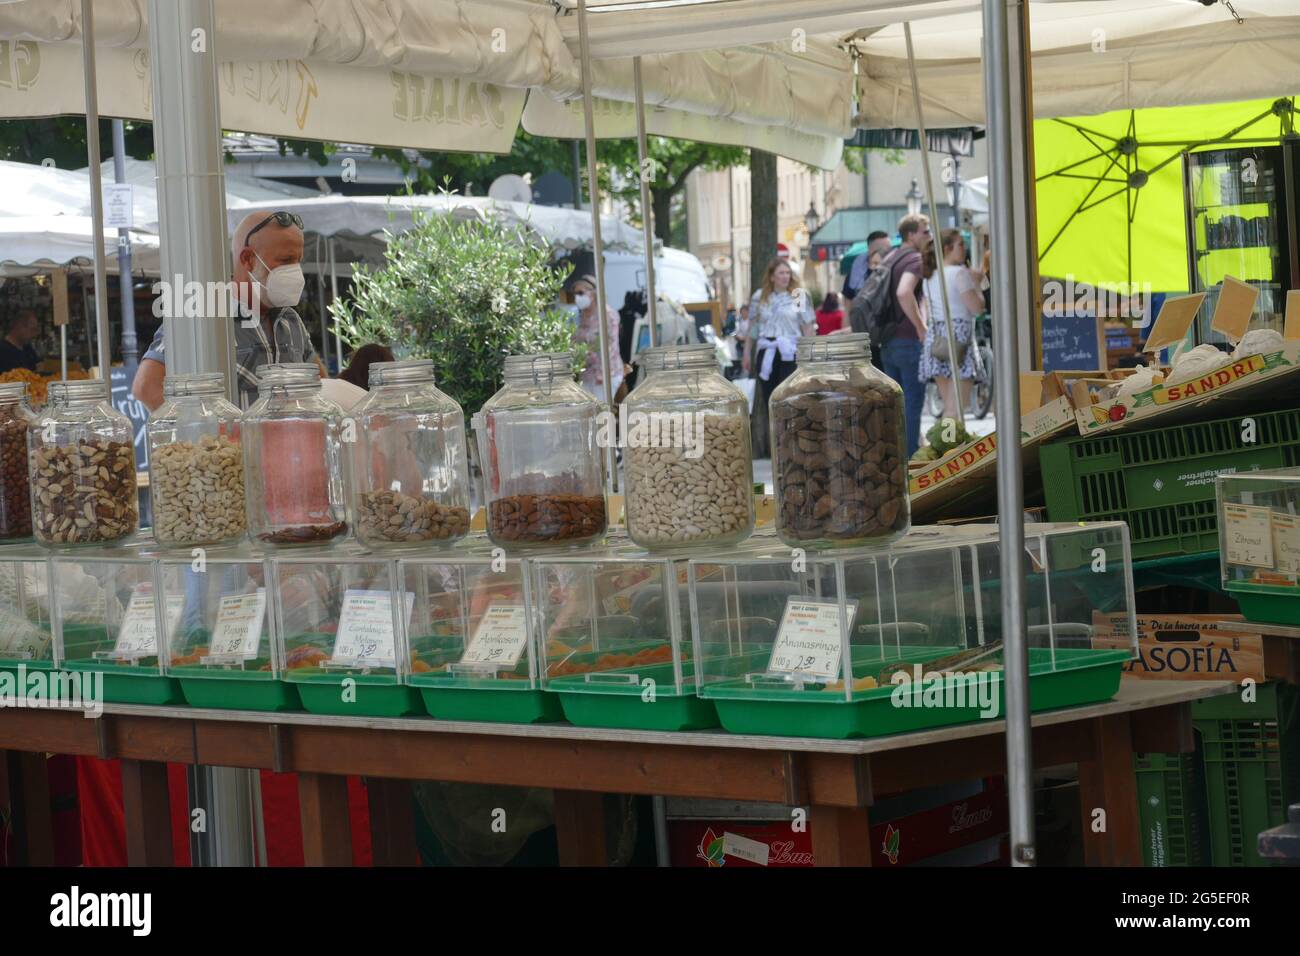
(541, 463)
(82, 466)
(839, 455)
(15, 483)
(196, 465)
(410, 482)
(686, 453)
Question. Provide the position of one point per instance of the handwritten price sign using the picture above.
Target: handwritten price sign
(365, 633)
(500, 637)
(809, 642)
(138, 635)
(237, 635)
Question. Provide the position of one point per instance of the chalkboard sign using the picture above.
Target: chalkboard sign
(134, 409)
(1073, 341)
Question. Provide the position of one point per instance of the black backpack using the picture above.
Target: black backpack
(875, 310)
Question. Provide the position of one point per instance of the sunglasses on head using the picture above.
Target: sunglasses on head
(282, 219)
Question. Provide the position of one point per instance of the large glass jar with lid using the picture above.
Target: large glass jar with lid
(293, 461)
(410, 478)
(15, 482)
(839, 452)
(196, 463)
(82, 467)
(541, 464)
(686, 455)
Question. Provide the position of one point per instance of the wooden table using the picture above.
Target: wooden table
(837, 779)
(1281, 645)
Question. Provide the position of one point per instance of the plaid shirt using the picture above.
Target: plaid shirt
(253, 349)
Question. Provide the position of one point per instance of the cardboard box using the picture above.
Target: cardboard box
(1184, 646)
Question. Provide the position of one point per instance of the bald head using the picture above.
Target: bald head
(254, 252)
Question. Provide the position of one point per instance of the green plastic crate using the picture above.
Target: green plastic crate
(1161, 481)
(1266, 603)
(1252, 768)
(1171, 808)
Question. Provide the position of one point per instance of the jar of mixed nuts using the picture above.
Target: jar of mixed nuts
(410, 477)
(690, 471)
(82, 466)
(15, 483)
(541, 464)
(292, 440)
(839, 457)
(196, 464)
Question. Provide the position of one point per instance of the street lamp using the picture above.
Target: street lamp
(913, 198)
(811, 220)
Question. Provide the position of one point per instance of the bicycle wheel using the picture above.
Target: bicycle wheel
(982, 391)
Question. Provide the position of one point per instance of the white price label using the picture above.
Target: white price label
(1286, 542)
(500, 637)
(1248, 535)
(365, 632)
(238, 631)
(809, 640)
(119, 206)
(138, 636)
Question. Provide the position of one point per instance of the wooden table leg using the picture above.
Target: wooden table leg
(841, 836)
(146, 807)
(1107, 782)
(326, 829)
(1281, 658)
(392, 822)
(580, 828)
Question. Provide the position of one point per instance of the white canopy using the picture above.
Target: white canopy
(32, 244)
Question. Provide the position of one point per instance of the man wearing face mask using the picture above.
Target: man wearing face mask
(266, 255)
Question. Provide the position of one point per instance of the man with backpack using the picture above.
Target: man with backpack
(888, 307)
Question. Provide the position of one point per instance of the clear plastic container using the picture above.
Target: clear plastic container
(687, 456)
(196, 464)
(15, 481)
(839, 452)
(541, 464)
(82, 466)
(293, 459)
(411, 480)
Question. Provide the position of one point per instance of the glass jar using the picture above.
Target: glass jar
(293, 459)
(839, 452)
(410, 475)
(196, 464)
(541, 464)
(82, 466)
(15, 482)
(686, 455)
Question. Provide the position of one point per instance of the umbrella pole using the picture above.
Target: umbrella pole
(1011, 527)
(96, 187)
(953, 365)
(63, 351)
(645, 174)
(597, 246)
(334, 294)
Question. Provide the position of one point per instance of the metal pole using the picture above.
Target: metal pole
(647, 225)
(597, 246)
(334, 294)
(659, 810)
(1011, 529)
(953, 365)
(130, 344)
(320, 289)
(63, 351)
(577, 175)
(96, 187)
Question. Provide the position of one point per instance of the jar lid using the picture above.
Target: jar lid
(288, 373)
(829, 348)
(197, 383)
(542, 368)
(13, 391)
(406, 372)
(669, 357)
(89, 389)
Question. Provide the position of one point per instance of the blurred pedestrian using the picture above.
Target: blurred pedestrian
(830, 317)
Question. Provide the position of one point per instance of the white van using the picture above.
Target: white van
(678, 275)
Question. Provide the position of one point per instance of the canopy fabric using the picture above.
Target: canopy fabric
(31, 244)
(1089, 57)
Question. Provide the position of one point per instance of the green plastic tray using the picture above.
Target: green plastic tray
(1266, 603)
(235, 690)
(1081, 677)
(124, 684)
(377, 695)
(494, 701)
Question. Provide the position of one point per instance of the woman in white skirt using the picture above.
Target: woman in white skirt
(966, 303)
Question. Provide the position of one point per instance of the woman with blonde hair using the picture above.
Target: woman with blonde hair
(779, 313)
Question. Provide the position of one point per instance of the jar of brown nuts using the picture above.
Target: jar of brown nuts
(15, 483)
(82, 468)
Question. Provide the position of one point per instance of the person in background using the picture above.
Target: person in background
(780, 312)
(900, 354)
(878, 245)
(966, 302)
(830, 317)
(16, 347)
(358, 370)
(584, 297)
(266, 253)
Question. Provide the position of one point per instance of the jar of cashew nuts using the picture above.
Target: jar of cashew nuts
(196, 465)
(686, 453)
(82, 467)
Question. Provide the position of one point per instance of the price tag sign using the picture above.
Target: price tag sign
(119, 206)
(1248, 535)
(1286, 542)
(808, 642)
(138, 635)
(238, 631)
(500, 636)
(365, 633)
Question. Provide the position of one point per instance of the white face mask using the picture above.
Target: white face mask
(283, 285)
(582, 301)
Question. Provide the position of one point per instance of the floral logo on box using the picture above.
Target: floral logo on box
(890, 846)
(710, 849)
